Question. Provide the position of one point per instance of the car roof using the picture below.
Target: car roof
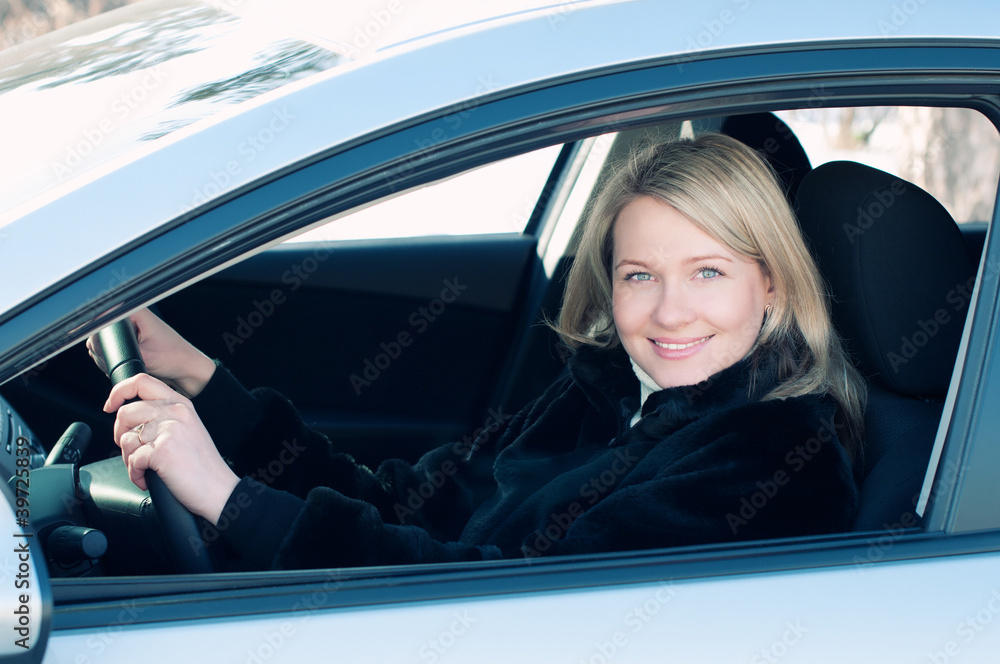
(344, 92)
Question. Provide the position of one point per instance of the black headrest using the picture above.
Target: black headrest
(772, 138)
(898, 269)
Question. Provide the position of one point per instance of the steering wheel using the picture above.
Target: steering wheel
(190, 553)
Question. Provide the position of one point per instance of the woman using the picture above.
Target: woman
(708, 399)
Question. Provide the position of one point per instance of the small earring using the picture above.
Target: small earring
(767, 310)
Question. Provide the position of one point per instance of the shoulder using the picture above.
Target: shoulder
(796, 435)
(772, 422)
(809, 415)
(796, 438)
(789, 456)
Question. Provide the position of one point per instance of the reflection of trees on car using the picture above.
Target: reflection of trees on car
(283, 62)
(151, 38)
(158, 36)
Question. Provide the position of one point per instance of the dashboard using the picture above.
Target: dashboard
(14, 432)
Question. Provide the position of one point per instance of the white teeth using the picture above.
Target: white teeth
(681, 346)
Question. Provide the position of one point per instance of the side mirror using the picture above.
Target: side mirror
(25, 595)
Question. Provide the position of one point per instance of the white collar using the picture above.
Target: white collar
(646, 387)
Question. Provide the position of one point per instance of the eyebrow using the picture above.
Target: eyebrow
(629, 261)
(706, 257)
(693, 259)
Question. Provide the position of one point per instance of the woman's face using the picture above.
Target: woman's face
(685, 306)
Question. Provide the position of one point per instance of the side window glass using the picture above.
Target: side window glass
(953, 153)
(496, 198)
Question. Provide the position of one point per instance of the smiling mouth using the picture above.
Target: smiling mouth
(682, 346)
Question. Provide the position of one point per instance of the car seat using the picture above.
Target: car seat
(776, 143)
(900, 277)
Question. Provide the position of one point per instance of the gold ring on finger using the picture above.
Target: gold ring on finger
(138, 432)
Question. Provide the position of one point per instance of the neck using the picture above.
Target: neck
(646, 383)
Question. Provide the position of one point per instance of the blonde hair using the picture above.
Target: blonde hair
(730, 193)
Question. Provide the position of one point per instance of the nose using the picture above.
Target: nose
(675, 306)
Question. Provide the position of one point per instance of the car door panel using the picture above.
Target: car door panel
(798, 615)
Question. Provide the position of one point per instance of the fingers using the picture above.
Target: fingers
(143, 387)
(137, 464)
(143, 319)
(94, 350)
(138, 423)
(134, 415)
(136, 448)
(139, 442)
(130, 443)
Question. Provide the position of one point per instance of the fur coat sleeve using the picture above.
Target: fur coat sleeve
(292, 473)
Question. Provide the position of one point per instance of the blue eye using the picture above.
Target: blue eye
(638, 276)
(709, 273)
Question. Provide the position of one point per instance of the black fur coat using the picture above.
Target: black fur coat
(705, 463)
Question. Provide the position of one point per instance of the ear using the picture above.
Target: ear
(766, 273)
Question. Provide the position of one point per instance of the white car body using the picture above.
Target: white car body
(862, 598)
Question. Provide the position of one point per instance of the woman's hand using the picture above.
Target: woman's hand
(164, 433)
(167, 355)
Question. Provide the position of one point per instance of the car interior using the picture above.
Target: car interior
(321, 323)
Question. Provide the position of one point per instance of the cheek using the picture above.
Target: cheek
(628, 310)
(740, 316)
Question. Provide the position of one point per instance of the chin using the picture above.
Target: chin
(683, 377)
